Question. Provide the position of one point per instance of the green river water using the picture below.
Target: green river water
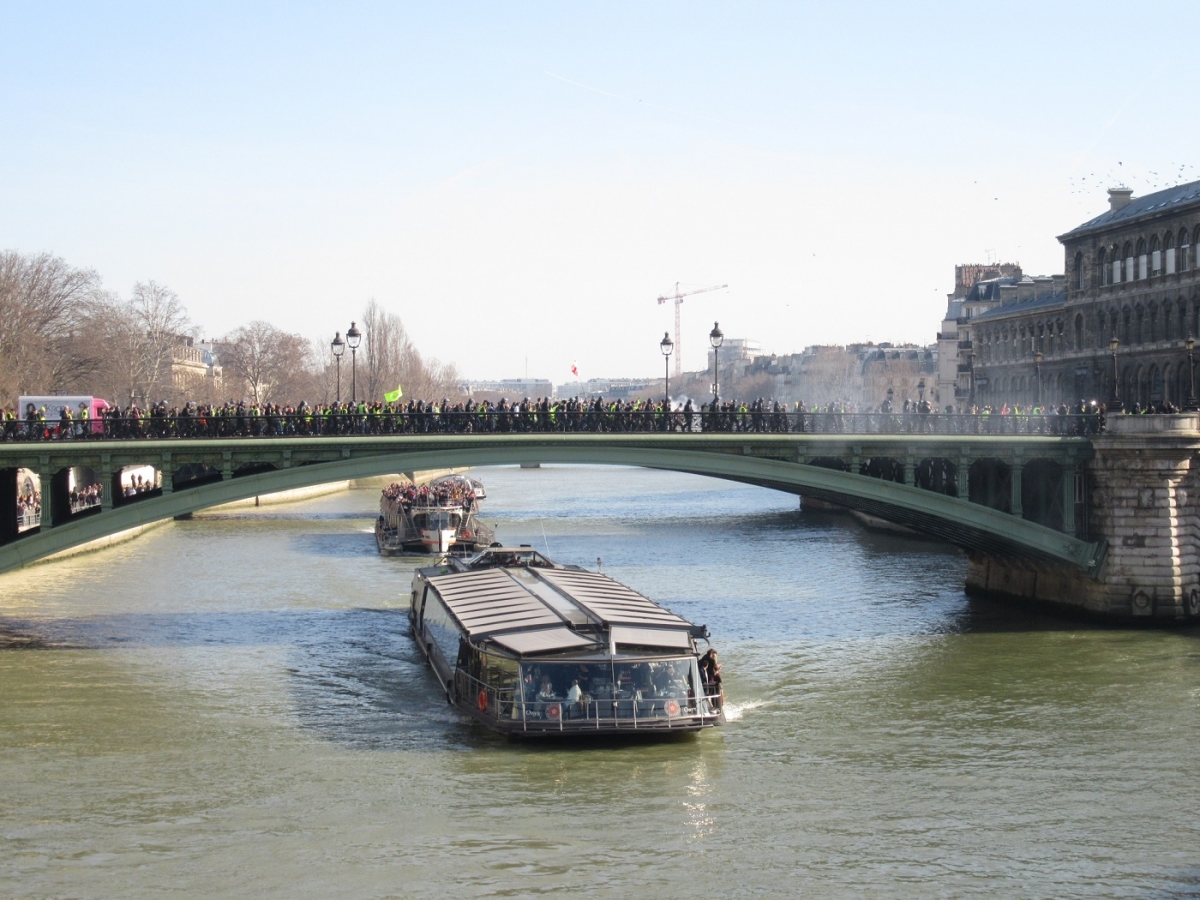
(231, 706)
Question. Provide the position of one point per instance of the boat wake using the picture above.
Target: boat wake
(735, 711)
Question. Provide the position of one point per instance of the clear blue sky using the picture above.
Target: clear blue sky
(520, 181)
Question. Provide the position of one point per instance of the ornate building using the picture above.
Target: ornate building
(1132, 274)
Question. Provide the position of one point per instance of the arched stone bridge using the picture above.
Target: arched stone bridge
(1003, 496)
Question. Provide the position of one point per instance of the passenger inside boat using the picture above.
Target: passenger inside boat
(643, 689)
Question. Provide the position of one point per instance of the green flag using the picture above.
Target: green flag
(393, 396)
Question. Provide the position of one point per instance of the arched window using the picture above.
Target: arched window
(1079, 331)
(1103, 271)
(1155, 257)
(1185, 250)
(1127, 253)
(1181, 316)
(1079, 272)
(1143, 262)
(1169, 254)
(1152, 323)
(1139, 324)
(1126, 321)
(1168, 317)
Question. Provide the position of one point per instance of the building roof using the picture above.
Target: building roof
(1139, 207)
(1022, 307)
(989, 290)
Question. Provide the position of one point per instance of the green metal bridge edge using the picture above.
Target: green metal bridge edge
(1037, 540)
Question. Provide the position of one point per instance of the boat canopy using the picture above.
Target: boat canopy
(531, 609)
(610, 601)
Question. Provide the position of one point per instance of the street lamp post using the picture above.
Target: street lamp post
(716, 337)
(1037, 378)
(666, 345)
(1114, 403)
(339, 347)
(970, 380)
(921, 389)
(1191, 405)
(353, 339)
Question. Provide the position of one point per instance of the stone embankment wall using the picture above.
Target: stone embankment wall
(1144, 486)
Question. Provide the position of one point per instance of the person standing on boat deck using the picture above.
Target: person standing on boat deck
(710, 674)
(575, 698)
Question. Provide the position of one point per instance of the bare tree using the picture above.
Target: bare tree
(138, 338)
(40, 300)
(390, 360)
(273, 365)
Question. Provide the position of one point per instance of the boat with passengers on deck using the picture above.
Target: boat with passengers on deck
(530, 647)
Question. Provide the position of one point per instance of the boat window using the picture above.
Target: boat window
(500, 672)
(441, 628)
(620, 689)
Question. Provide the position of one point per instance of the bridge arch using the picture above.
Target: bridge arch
(941, 515)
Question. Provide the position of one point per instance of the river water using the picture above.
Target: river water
(231, 706)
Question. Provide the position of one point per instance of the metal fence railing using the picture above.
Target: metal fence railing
(608, 421)
(617, 709)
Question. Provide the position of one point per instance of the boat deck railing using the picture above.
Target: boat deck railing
(628, 710)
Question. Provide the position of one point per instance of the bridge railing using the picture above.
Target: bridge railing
(567, 422)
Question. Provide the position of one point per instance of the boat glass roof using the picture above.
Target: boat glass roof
(539, 609)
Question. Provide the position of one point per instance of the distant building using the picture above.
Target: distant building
(976, 290)
(612, 388)
(1022, 318)
(193, 363)
(512, 388)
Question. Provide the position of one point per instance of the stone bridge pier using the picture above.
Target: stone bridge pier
(1142, 486)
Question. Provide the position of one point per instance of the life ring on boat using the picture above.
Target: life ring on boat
(483, 701)
(467, 535)
(672, 708)
(553, 711)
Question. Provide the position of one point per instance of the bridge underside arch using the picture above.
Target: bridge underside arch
(954, 520)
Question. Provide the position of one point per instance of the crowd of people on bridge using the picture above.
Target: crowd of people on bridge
(574, 415)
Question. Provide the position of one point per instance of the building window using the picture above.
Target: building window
(1102, 269)
(1143, 262)
(1184, 260)
(1155, 257)
(1169, 253)
(1079, 332)
(1079, 272)
(1128, 267)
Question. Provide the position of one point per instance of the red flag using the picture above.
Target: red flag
(574, 370)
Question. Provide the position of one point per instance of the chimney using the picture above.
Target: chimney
(1119, 198)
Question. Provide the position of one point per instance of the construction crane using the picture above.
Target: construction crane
(678, 298)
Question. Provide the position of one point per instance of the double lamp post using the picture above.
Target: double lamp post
(353, 339)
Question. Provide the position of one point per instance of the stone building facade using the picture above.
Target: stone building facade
(976, 290)
(1021, 325)
(1133, 273)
